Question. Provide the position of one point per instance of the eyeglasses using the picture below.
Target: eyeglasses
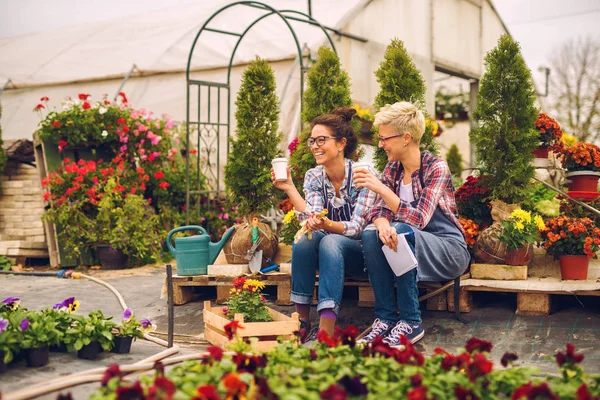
(320, 140)
(383, 139)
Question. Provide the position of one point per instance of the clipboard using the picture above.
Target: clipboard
(402, 260)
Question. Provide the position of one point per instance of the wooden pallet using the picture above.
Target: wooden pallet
(183, 286)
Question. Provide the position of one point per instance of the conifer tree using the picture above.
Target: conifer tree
(248, 169)
(505, 135)
(400, 80)
(454, 160)
(328, 88)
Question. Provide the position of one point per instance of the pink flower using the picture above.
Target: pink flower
(123, 149)
(169, 124)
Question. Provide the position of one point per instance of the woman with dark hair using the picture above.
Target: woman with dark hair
(334, 248)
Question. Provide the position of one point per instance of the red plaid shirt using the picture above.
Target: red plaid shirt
(438, 191)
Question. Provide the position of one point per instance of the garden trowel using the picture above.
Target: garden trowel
(254, 256)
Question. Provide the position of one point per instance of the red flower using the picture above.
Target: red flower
(584, 394)
(46, 196)
(462, 393)
(530, 392)
(106, 102)
(193, 151)
(39, 107)
(83, 96)
(508, 358)
(207, 392)
(416, 380)
(214, 353)
(231, 328)
(238, 283)
(56, 124)
(132, 392)
(293, 145)
(123, 97)
(163, 185)
(45, 98)
(475, 344)
(162, 389)
(121, 121)
(569, 356)
(334, 392)
(111, 372)
(347, 335)
(86, 106)
(418, 393)
(248, 364)
(159, 174)
(323, 337)
(479, 366)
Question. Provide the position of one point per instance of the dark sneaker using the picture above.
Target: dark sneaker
(311, 338)
(379, 328)
(414, 333)
(305, 328)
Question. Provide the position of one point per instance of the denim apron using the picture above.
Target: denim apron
(345, 211)
(440, 247)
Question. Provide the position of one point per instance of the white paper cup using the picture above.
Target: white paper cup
(360, 165)
(280, 168)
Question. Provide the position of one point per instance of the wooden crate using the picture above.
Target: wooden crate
(266, 332)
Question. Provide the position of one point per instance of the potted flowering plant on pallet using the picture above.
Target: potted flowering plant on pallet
(550, 136)
(129, 330)
(518, 231)
(582, 162)
(573, 241)
(247, 316)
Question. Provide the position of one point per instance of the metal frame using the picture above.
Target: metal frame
(209, 132)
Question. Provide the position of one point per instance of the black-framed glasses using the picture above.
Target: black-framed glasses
(319, 140)
(383, 139)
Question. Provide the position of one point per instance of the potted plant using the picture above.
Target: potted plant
(573, 241)
(582, 162)
(92, 334)
(36, 333)
(8, 343)
(472, 201)
(519, 230)
(61, 314)
(550, 136)
(247, 309)
(129, 330)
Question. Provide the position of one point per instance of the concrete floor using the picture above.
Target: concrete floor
(535, 339)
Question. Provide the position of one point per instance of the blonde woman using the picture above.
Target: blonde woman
(415, 198)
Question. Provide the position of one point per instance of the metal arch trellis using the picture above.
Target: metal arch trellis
(209, 131)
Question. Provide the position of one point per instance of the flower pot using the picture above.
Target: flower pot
(36, 357)
(90, 351)
(541, 152)
(574, 267)
(122, 344)
(3, 366)
(516, 256)
(59, 348)
(111, 258)
(583, 181)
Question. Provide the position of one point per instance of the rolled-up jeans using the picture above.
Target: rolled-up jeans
(335, 256)
(382, 278)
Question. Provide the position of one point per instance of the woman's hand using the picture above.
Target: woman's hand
(315, 223)
(389, 237)
(364, 178)
(283, 185)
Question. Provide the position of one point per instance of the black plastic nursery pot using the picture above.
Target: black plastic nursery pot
(90, 351)
(59, 348)
(37, 357)
(3, 367)
(122, 344)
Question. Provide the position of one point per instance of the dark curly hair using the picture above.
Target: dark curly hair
(339, 122)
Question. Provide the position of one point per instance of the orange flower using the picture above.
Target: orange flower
(571, 236)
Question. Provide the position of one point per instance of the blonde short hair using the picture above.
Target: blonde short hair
(402, 117)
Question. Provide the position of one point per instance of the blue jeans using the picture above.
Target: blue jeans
(382, 279)
(335, 256)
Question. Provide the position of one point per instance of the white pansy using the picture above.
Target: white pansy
(104, 134)
(101, 111)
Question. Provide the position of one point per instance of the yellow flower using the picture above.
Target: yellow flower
(519, 225)
(254, 283)
(539, 221)
(521, 215)
(568, 140)
(74, 306)
(289, 217)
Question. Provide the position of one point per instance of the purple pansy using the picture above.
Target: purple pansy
(127, 314)
(146, 323)
(24, 324)
(11, 302)
(65, 303)
(3, 324)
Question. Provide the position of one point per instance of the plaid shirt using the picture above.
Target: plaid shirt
(438, 191)
(362, 199)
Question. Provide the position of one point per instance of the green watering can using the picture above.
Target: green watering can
(194, 253)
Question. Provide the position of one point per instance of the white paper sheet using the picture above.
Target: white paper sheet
(402, 260)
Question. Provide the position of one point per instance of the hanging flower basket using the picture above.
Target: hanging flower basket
(583, 181)
(574, 267)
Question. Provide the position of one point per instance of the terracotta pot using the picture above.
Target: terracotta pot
(574, 267)
(541, 152)
(516, 256)
(583, 181)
